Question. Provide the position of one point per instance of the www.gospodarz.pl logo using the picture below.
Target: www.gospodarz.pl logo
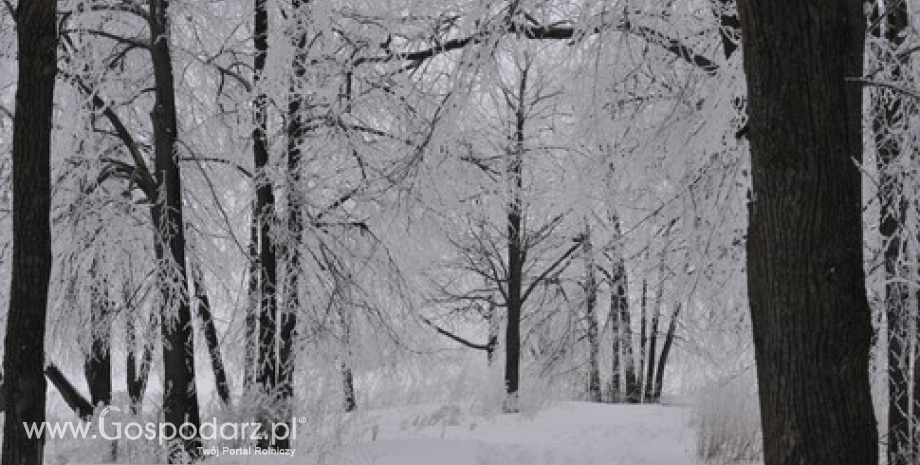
(163, 432)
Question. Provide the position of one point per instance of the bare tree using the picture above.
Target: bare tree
(180, 403)
(889, 23)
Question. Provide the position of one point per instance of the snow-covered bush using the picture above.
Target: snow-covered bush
(727, 421)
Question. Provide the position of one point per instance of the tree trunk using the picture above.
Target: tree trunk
(652, 353)
(641, 363)
(617, 393)
(651, 365)
(136, 376)
(665, 352)
(76, 401)
(24, 349)
(811, 320)
(494, 328)
(351, 403)
(348, 383)
(515, 238)
(251, 349)
(267, 357)
(890, 23)
(594, 372)
(624, 385)
(180, 399)
(98, 364)
(203, 305)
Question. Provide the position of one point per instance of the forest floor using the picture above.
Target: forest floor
(575, 433)
(561, 433)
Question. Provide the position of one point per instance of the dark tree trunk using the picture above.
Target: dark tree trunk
(267, 359)
(623, 385)
(890, 22)
(641, 362)
(348, 383)
(180, 398)
(348, 379)
(494, 328)
(98, 364)
(76, 401)
(267, 371)
(280, 335)
(24, 348)
(617, 393)
(136, 376)
(651, 364)
(811, 320)
(251, 349)
(203, 305)
(594, 372)
(515, 301)
(652, 353)
(132, 383)
(665, 353)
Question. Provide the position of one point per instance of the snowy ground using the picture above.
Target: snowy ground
(573, 433)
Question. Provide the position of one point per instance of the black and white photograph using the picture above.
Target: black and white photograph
(460, 232)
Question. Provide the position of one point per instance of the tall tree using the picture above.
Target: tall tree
(206, 319)
(889, 22)
(24, 345)
(516, 249)
(263, 213)
(806, 284)
(180, 403)
(591, 325)
(623, 381)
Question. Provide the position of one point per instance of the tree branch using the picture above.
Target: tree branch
(239, 168)
(145, 179)
(887, 85)
(548, 270)
(557, 31)
(454, 337)
(132, 41)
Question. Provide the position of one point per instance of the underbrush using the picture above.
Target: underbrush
(727, 421)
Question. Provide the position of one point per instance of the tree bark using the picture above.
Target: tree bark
(267, 371)
(642, 362)
(348, 384)
(98, 364)
(651, 364)
(623, 385)
(203, 305)
(180, 399)
(652, 354)
(24, 350)
(665, 353)
(250, 362)
(494, 323)
(136, 375)
(516, 252)
(76, 401)
(806, 284)
(594, 371)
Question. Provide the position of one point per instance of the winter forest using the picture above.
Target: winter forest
(460, 232)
